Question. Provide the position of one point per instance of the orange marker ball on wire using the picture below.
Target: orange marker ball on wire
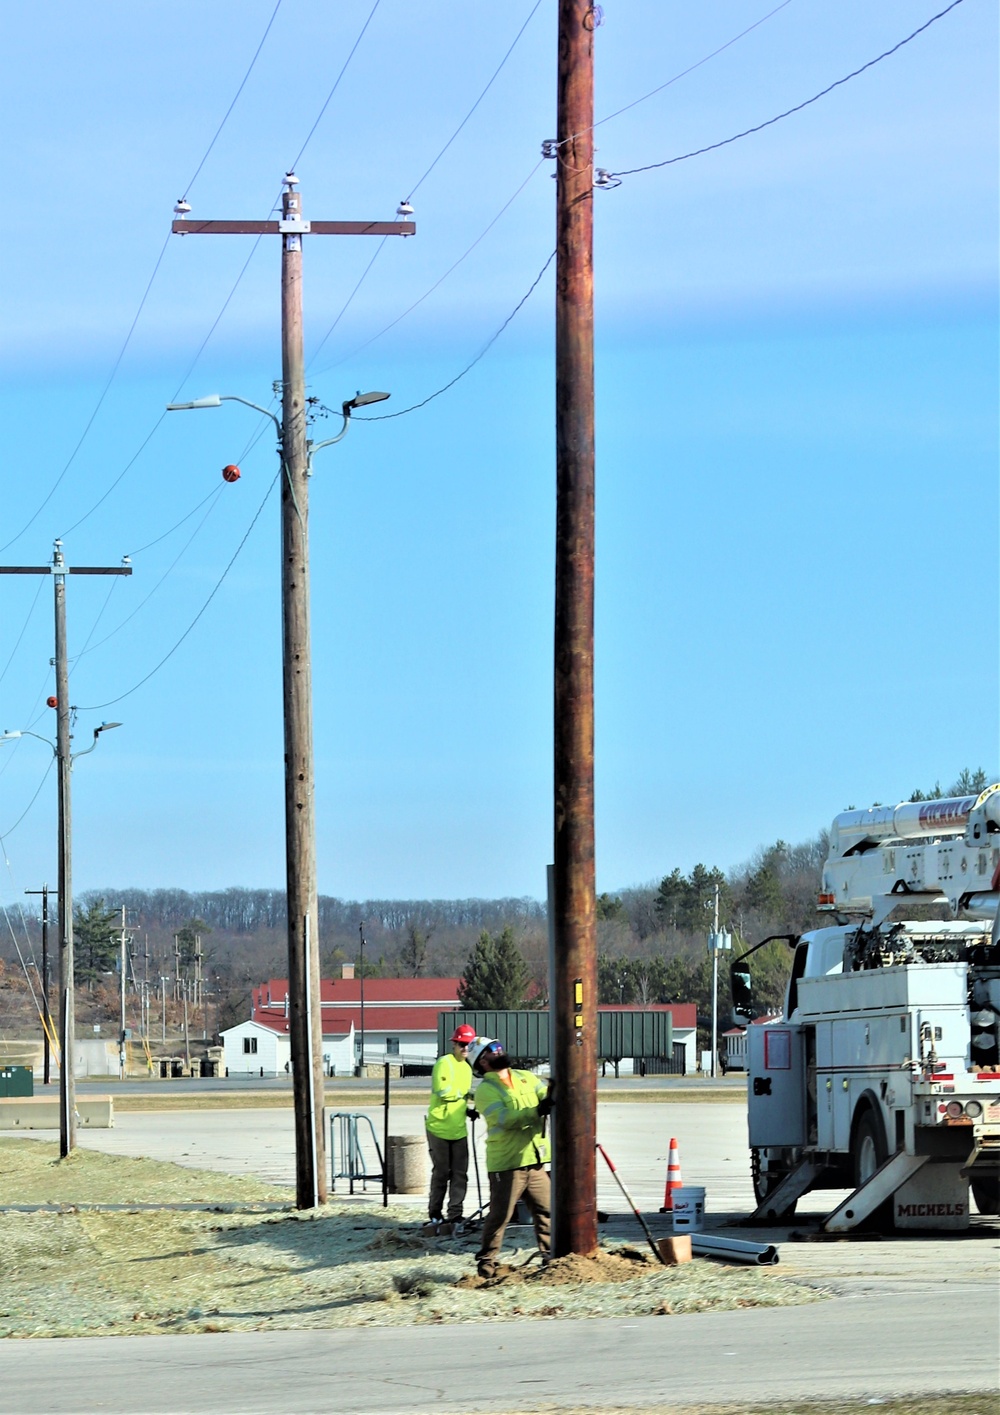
(231, 472)
(52, 702)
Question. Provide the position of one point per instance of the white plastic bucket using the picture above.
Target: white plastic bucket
(689, 1209)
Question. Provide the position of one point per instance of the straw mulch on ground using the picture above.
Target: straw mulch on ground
(245, 1265)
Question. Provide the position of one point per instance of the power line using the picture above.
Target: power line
(333, 90)
(38, 792)
(513, 46)
(93, 707)
(166, 574)
(176, 527)
(440, 281)
(691, 67)
(712, 147)
(24, 629)
(378, 250)
(243, 83)
(100, 616)
(135, 320)
(385, 417)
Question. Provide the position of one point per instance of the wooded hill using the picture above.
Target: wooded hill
(651, 938)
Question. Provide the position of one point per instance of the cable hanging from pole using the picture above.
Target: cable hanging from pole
(386, 417)
(759, 127)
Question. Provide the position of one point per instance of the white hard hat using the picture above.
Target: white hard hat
(478, 1047)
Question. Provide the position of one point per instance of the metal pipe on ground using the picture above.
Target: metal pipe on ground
(733, 1250)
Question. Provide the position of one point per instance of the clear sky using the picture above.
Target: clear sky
(797, 432)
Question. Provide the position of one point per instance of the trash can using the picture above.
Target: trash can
(407, 1164)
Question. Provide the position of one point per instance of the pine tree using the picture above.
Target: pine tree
(413, 954)
(96, 940)
(496, 975)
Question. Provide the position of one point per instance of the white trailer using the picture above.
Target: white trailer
(883, 1075)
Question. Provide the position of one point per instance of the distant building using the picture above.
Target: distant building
(734, 1044)
(685, 1028)
(400, 1024)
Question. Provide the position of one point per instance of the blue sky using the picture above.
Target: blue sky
(797, 433)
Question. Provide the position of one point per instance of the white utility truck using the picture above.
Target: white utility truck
(883, 1075)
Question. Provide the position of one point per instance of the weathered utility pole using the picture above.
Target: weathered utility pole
(122, 1029)
(46, 1015)
(64, 766)
(305, 1012)
(574, 926)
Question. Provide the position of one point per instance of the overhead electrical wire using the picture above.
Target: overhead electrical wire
(236, 284)
(440, 280)
(690, 68)
(759, 127)
(169, 570)
(386, 417)
(336, 85)
(176, 526)
(93, 707)
(38, 792)
(135, 319)
(24, 628)
(378, 249)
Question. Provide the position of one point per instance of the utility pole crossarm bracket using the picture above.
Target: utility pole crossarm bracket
(275, 228)
(99, 570)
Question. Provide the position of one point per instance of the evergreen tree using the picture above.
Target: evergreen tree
(496, 975)
(414, 952)
(96, 940)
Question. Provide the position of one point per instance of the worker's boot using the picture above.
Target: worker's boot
(486, 1269)
(432, 1228)
(446, 1229)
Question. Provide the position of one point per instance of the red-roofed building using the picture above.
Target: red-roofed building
(400, 1024)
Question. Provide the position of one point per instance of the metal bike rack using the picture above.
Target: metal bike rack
(347, 1158)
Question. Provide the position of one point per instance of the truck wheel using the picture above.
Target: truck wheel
(986, 1193)
(869, 1152)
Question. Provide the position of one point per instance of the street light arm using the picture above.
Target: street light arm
(24, 732)
(104, 727)
(235, 398)
(329, 441)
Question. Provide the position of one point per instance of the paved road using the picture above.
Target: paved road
(868, 1347)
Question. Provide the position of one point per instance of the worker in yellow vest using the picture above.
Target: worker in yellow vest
(451, 1092)
(514, 1105)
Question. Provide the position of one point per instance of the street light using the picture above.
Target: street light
(67, 988)
(215, 400)
(296, 452)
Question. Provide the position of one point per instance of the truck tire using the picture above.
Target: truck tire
(986, 1192)
(869, 1151)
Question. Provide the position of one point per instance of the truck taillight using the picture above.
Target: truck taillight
(973, 1110)
(954, 1109)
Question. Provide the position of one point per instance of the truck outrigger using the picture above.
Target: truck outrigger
(883, 1075)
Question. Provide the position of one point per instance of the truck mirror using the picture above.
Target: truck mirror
(741, 987)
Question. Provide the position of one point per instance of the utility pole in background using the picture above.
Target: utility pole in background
(123, 964)
(305, 1013)
(574, 983)
(64, 766)
(46, 1015)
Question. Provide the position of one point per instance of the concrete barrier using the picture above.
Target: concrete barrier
(42, 1112)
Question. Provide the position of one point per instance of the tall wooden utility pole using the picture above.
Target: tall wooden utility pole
(64, 766)
(305, 1014)
(574, 982)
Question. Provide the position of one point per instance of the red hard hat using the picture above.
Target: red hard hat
(464, 1034)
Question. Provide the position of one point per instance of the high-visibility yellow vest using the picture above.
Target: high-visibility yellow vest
(513, 1126)
(451, 1084)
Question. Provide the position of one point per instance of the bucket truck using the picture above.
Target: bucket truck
(883, 1075)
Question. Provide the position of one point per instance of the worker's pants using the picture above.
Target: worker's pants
(507, 1186)
(449, 1174)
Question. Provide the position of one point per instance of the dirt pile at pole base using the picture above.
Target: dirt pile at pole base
(623, 1265)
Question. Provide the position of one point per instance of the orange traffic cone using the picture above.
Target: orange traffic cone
(674, 1180)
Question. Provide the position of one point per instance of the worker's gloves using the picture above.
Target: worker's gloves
(471, 1114)
(546, 1103)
